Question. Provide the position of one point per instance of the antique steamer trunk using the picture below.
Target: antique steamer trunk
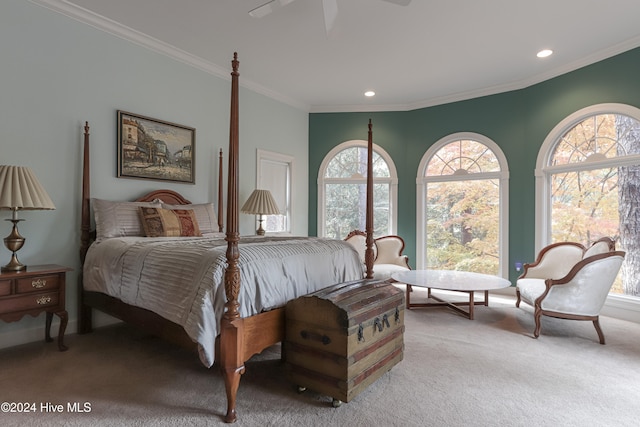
(339, 340)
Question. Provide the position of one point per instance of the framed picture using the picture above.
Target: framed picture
(153, 149)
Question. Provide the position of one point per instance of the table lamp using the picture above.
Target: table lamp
(19, 189)
(260, 202)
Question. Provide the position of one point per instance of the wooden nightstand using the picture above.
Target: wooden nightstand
(38, 288)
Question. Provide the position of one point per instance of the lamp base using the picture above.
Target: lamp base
(14, 264)
(14, 242)
(260, 231)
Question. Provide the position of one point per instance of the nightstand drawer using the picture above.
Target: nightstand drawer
(37, 284)
(28, 302)
(5, 287)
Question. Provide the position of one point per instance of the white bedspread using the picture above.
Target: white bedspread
(182, 279)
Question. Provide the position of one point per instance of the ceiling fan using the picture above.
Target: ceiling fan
(330, 8)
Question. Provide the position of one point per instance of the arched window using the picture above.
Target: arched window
(588, 184)
(342, 183)
(462, 196)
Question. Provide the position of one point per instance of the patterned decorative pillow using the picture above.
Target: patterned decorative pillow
(205, 215)
(158, 222)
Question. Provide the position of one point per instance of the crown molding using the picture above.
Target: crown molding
(107, 25)
(114, 28)
(493, 90)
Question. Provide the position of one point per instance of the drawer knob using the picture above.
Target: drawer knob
(39, 283)
(43, 300)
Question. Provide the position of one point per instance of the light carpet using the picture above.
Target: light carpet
(456, 372)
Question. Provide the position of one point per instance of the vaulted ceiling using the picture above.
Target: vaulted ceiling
(427, 53)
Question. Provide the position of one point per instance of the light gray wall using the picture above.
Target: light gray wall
(57, 73)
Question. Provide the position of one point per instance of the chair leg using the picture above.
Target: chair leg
(537, 314)
(596, 323)
(517, 297)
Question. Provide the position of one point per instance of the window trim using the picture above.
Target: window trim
(392, 180)
(502, 176)
(284, 159)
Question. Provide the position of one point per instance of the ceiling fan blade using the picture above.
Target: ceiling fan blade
(399, 2)
(268, 7)
(330, 8)
(262, 10)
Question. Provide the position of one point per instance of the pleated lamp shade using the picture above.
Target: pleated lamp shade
(20, 189)
(261, 202)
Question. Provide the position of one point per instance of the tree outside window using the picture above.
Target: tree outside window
(342, 191)
(594, 178)
(462, 207)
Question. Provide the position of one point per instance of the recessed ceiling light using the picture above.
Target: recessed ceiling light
(369, 93)
(544, 53)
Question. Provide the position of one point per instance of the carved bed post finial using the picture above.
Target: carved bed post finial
(235, 64)
(368, 253)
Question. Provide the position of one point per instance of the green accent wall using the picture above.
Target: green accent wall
(517, 121)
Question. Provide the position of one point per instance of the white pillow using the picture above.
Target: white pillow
(596, 249)
(205, 215)
(118, 219)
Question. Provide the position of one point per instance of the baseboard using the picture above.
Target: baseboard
(622, 307)
(509, 291)
(616, 306)
(36, 333)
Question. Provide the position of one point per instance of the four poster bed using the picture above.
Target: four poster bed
(215, 292)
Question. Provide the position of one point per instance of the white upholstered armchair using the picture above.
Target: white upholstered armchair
(569, 281)
(387, 252)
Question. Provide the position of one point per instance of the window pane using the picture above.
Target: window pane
(274, 174)
(463, 225)
(275, 223)
(352, 163)
(596, 138)
(461, 158)
(584, 205)
(346, 206)
(585, 208)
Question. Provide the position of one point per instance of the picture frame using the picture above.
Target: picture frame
(149, 148)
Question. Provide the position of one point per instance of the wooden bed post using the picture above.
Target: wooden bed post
(220, 222)
(84, 311)
(368, 253)
(85, 230)
(232, 327)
